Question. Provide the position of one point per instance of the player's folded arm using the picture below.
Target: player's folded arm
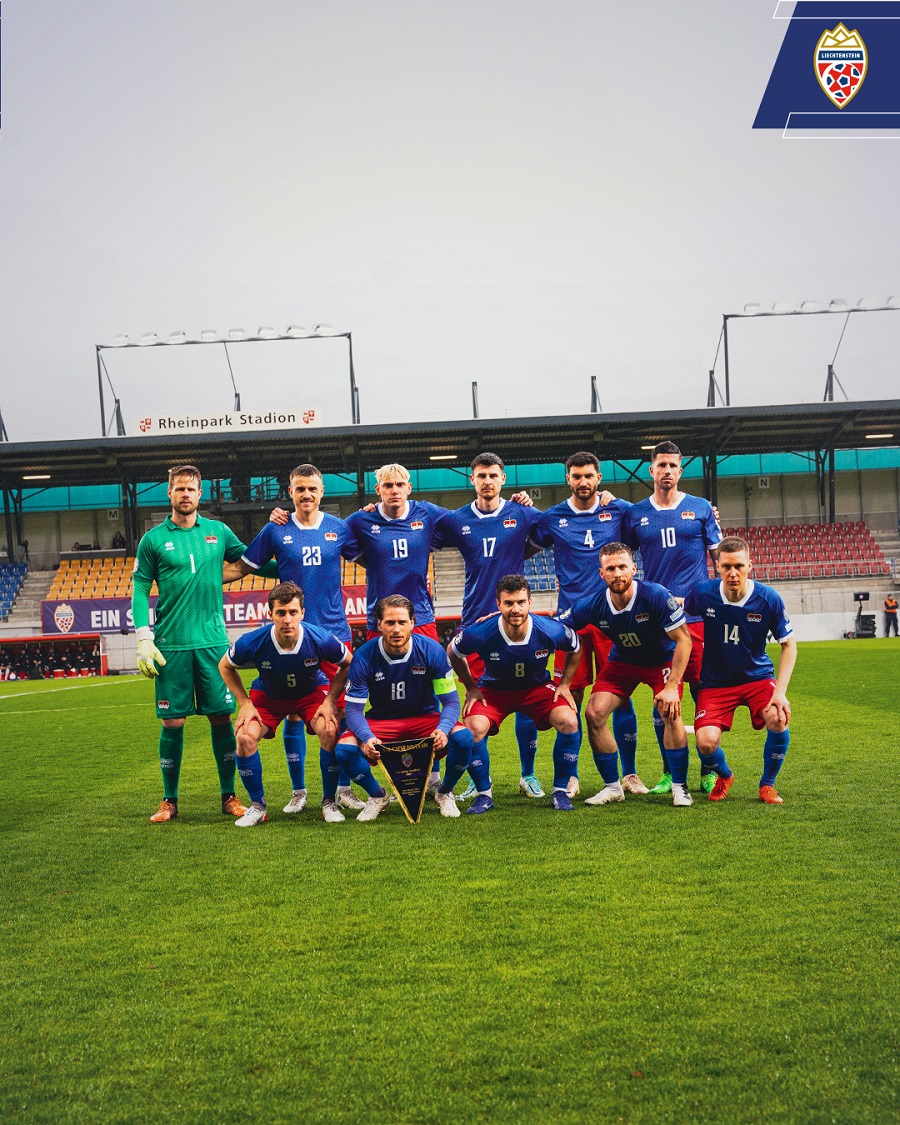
(356, 720)
(450, 706)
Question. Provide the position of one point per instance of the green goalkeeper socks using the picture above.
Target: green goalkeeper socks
(224, 746)
(171, 751)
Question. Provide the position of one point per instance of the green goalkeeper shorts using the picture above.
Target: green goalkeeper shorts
(189, 684)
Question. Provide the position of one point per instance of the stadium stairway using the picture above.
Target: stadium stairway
(889, 544)
(449, 582)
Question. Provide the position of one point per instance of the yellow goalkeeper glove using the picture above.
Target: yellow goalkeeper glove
(147, 653)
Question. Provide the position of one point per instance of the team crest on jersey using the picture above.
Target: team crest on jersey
(418, 670)
(64, 617)
(542, 654)
(672, 604)
(688, 516)
(416, 525)
(212, 539)
(509, 523)
(170, 546)
(754, 617)
(841, 63)
(465, 529)
(642, 618)
(331, 536)
(287, 539)
(605, 517)
(163, 704)
(310, 662)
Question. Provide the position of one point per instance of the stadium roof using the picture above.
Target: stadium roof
(723, 431)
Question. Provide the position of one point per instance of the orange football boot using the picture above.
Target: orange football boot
(231, 806)
(767, 793)
(167, 810)
(720, 789)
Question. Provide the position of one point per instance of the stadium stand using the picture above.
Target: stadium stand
(788, 552)
(12, 575)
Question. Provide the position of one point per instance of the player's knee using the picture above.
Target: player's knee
(219, 720)
(567, 723)
(172, 724)
(708, 739)
(776, 725)
(246, 744)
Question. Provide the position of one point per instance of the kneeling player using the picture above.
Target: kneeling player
(738, 615)
(651, 645)
(407, 681)
(291, 685)
(514, 648)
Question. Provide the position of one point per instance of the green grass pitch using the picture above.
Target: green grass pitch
(730, 962)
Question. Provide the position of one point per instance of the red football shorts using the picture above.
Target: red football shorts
(429, 630)
(390, 730)
(692, 672)
(621, 679)
(595, 648)
(272, 711)
(716, 705)
(536, 702)
(330, 671)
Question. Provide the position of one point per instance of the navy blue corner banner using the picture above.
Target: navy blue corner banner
(838, 68)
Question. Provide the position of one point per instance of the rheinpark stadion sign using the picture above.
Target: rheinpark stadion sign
(155, 424)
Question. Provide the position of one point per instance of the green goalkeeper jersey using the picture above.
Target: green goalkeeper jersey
(186, 563)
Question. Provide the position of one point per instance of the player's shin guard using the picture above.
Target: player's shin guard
(608, 767)
(250, 770)
(171, 751)
(678, 764)
(565, 757)
(659, 728)
(480, 766)
(357, 766)
(460, 745)
(527, 738)
(295, 751)
(773, 755)
(624, 728)
(332, 774)
(715, 763)
(223, 747)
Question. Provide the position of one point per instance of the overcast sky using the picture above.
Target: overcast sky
(509, 191)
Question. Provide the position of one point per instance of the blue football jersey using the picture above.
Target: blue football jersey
(673, 541)
(515, 665)
(311, 557)
(735, 633)
(287, 673)
(640, 631)
(396, 555)
(400, 687)
(492, 545)
(576, 538)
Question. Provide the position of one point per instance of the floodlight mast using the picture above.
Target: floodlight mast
(150, 340)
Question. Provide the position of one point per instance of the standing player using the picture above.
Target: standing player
(290, 657)
(407, 681)
(651, 645)
(493, 538)
(184, 555)
(674, 531)
(738, 614)
(513, 650)
(308, 549)
(577, 528)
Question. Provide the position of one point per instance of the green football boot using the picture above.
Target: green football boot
(664, 785)
(708, 781)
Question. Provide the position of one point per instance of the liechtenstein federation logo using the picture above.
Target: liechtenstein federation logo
(841, 61)
(64, 617)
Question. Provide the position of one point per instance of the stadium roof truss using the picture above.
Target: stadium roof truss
(710, 434)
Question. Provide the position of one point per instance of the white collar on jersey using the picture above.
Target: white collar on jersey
(487, 515)
(585, 511)
(287, 651)
(682, 496)
(390, 519)
(634, 589)
(395, 659)
(751, 585)
(303, 527)
(509, 639)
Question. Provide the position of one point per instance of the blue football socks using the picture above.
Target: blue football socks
(608, 767)
(715, 763)
(659, 728)
(357, 766)
(460, 745)
(331, 774)
(527, 738)
(773, 755)
(480, 766)
(624, 728)
(250, 770)
(565, 757)
(295, 751)
(678, 764)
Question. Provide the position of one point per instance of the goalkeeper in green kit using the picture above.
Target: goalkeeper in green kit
(184, 555)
